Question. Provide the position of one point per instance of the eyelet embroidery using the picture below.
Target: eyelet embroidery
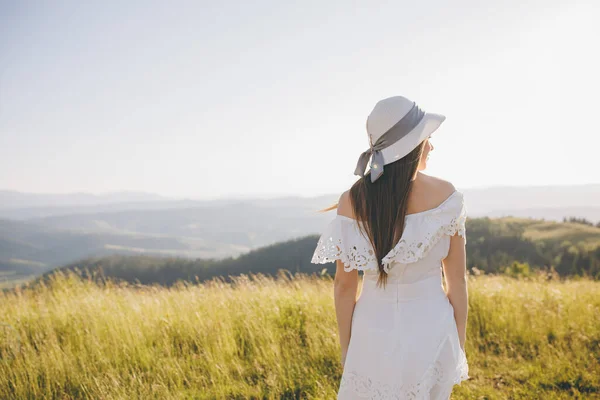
(355, 251)
(354, 257)
(408, 250)
(373, 389)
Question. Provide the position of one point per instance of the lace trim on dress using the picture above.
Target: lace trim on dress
(435, 374)
(439, 222)
(343, 240)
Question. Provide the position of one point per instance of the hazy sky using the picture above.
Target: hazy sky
(210, 99)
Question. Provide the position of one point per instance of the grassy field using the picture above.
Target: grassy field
(275, 338)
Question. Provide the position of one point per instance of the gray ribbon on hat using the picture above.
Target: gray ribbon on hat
(392, 135)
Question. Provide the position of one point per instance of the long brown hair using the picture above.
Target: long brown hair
(380, 207)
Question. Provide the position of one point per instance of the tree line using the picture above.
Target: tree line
(493, 246)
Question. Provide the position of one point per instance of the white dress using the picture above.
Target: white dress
(404, 340)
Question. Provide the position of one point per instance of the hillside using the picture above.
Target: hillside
(46, 231)
(572, 249)
(293, 255)
(28, 247)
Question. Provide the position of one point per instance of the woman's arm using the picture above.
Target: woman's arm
(455, 272)
(345, 288)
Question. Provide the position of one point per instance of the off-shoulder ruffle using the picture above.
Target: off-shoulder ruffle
(422, 235)
(343, 240)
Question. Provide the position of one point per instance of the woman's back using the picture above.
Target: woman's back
(404, 341)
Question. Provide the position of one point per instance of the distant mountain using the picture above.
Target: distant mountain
(548, 202)
(217, 229)
(590, 213)
(10, 199)
(29, 213)
(39, 238)
(492, 244)
(293, 255)
(29, 248)
(25, 206)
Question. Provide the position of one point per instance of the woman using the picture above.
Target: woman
(404, 336)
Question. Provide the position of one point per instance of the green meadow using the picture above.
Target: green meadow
(275, 338)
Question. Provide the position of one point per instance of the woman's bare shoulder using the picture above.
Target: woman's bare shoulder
(437, 184)
(345, 205)
(430, 191)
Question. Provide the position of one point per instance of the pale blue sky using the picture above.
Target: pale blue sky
(210, 99)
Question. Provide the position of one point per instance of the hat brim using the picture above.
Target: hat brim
(429, 124)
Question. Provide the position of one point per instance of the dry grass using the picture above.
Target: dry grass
(275, 338)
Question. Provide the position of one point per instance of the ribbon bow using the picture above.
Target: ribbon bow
(391, 136)
(376, 163)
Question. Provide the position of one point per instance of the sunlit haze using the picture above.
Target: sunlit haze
(268, 98)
